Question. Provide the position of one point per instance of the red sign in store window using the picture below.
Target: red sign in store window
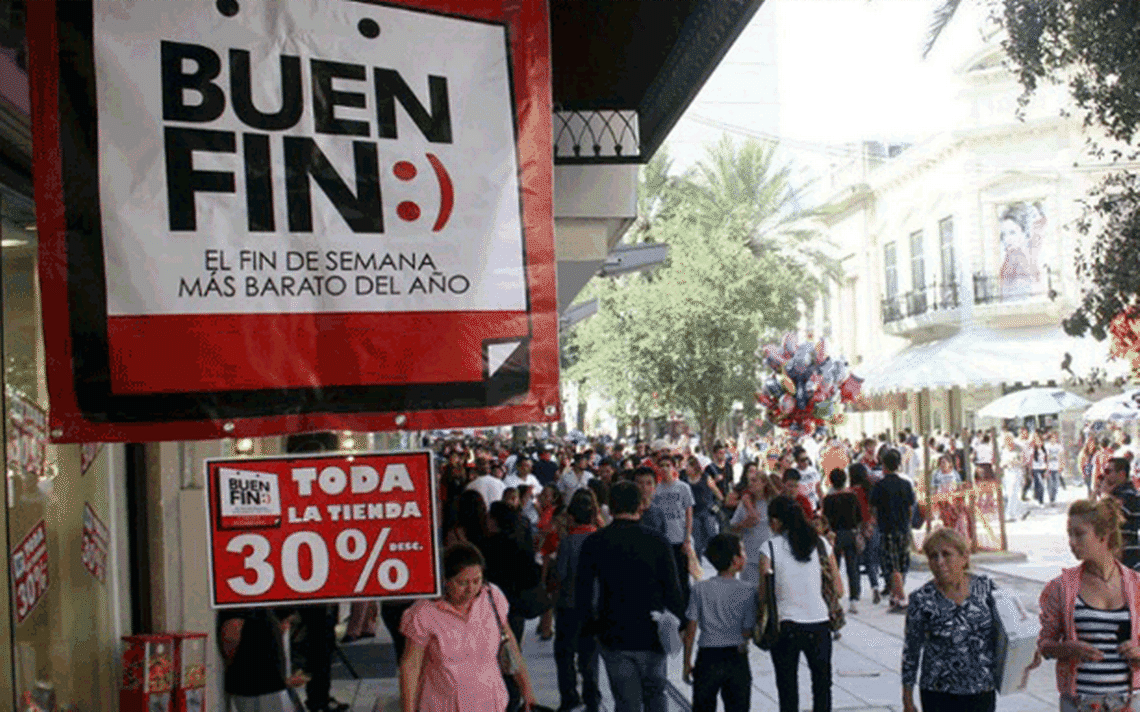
(321, 527)
(30, 571)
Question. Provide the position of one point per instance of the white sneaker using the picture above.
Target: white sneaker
(852, 609)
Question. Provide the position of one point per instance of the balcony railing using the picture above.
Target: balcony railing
(936, 297)
(996, 289)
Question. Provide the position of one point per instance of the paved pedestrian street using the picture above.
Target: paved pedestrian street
(867, 656)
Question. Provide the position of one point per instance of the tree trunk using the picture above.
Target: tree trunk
(708, 425)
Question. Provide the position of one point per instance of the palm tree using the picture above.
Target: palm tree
(739, 188)
(941, 19)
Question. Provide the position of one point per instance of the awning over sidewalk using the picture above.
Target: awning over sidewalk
(979, 356)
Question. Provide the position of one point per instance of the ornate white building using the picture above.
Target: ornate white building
(958, 257)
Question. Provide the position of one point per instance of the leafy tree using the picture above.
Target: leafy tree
(1093, 48)
(684, 337)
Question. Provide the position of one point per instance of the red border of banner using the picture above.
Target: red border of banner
(528, 29)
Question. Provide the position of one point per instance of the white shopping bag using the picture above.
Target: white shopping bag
(1016, 642)
(668, 630)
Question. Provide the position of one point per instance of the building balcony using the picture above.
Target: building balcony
(1019, 301)
(926, 311)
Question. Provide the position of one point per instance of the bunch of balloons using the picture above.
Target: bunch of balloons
(806, 387)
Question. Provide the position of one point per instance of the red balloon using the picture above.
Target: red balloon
(850, 389)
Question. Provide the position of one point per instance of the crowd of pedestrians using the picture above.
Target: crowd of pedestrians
(617, 539)
(606, 548)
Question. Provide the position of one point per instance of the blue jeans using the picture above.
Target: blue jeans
(705, 527)
(870, 557)
(845, 551)
(1039, 486)
(637, 679)
(571, 642)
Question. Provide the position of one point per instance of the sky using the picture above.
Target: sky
(819, 73)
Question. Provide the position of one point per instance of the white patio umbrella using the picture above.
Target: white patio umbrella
(1033, 401)
(1125, 406)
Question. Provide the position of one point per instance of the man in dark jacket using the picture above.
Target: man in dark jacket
(635, 573)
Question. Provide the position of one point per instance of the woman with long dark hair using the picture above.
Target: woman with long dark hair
(750, 521)
(1038, 465)
(794, 554)
(470, 520)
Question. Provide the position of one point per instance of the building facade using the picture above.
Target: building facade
(958, 254)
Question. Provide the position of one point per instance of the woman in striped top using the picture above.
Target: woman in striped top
(1089, 615)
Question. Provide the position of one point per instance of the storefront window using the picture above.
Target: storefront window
(61, 627)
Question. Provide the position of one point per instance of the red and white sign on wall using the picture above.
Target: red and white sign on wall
(322, 527)
(311, 214)
(30, 571)
(27, 434)
(95, 540)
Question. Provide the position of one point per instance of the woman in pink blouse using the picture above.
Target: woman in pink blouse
(451, 664)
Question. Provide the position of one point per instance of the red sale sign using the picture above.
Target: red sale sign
(30, 571)
(95, 544)
(326, 527)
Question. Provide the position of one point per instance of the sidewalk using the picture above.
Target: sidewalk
(866, 659)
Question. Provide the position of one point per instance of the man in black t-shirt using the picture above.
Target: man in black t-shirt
(841, 510)
(255, 666)
(719, 471)
(546, 469)
(893, 501)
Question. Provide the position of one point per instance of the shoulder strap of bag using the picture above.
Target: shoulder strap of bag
(495, 609)
(772, 560)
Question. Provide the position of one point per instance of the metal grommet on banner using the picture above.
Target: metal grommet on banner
(368, 28)
(551, 410)
(401, 419)
(57, 432)
(229, 8)
(228, 427)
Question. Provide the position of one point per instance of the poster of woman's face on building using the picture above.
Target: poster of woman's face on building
(1021, 234)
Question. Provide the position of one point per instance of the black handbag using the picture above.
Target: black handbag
(533, 602)
(767, 629)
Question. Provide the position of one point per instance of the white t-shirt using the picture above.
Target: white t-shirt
(514, 481)
(809, 478)
(569, 483)
(1053, 455)
(811, 447)
(799, 593)
(491, 488)
(984, 454)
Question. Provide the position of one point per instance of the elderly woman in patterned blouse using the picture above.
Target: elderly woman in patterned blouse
(950, 622)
